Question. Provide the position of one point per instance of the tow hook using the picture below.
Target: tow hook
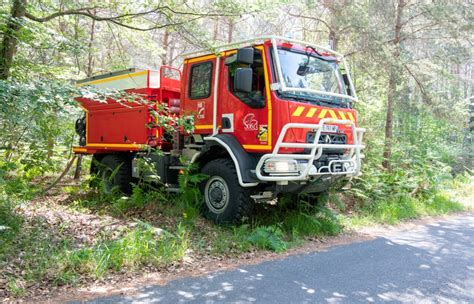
(266, 197)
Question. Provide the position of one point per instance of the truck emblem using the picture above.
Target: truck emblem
(250, 123)
(328, 140)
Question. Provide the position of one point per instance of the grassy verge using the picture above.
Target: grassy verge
(34, 254)
(452, 196)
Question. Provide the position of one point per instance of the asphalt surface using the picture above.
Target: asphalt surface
(430, 263)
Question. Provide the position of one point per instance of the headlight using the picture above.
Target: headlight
(281, 166)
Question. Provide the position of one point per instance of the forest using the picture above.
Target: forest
(412, 65)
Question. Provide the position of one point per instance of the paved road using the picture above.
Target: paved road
(432, 263)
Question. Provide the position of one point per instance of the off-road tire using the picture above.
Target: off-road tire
(123, 175)
(94, 182)
(238, 203)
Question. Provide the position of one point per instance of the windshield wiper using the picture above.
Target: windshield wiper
(317, 100)
(300, 97)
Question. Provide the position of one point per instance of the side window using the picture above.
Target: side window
(254, 99)
(200, 80)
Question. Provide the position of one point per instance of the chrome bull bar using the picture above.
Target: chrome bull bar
(307, 169)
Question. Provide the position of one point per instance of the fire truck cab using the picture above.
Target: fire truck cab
(271, 115)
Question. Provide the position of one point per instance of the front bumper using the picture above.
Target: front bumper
(349, 165)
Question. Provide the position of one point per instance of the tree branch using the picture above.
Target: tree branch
(85, 11)
(426, 98)
(312, 18)
(156, 27)
(414, 17)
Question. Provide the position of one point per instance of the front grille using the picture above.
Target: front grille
(327, 138)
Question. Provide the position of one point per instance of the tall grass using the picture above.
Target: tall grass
(142, 246)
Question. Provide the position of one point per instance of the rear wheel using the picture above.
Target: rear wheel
(225, 200)
(94, 182)
(115, 171)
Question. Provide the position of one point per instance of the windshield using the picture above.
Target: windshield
(308, 71)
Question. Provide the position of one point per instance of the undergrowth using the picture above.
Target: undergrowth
(49, 257)
(142, 246)
(392, 197)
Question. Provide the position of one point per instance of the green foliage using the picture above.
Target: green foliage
(139, 198)
(268, 237)
(144, 245)
(34, 119)
(231, 239)
(301, 224)
(426, 154)
(190, 198)
(441, 204)
(51, 257)
(277, 230)
(10, 225)
(409, 192)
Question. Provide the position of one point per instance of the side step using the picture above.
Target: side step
(172, 188)
(193, 146)
(177, 167)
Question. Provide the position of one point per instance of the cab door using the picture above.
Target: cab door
(240, 115)
(198, 92)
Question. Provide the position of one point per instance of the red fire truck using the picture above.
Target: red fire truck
(271, 115)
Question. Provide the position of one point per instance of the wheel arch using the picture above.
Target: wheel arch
(226, 145)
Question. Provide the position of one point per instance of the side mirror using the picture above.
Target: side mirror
(302, 70)
(245, 55)
(243, 80)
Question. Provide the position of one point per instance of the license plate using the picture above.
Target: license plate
(330, 129)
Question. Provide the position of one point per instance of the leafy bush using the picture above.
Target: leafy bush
(268, 237)
(303, 224)
(10, 225)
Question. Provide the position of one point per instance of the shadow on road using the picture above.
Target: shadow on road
(429, 263)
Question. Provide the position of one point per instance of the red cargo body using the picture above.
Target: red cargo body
(128, 126)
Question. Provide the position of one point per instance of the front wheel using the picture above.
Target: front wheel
(225, 200)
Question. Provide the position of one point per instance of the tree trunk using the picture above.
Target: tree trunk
(392, 86)
(90, 59)
(172, 47)
(333, 39)
(216, 30)
(166, 43)
(470, 134)
(231, 31)
(77, 172)
(10, 37)
(50, 147)
(387, 153)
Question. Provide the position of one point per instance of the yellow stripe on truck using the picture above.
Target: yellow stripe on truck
(298, 111)
(343, 117)
(311, 112)
(333, 114)
(130, 75)
(323, 113)
(350, 116)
